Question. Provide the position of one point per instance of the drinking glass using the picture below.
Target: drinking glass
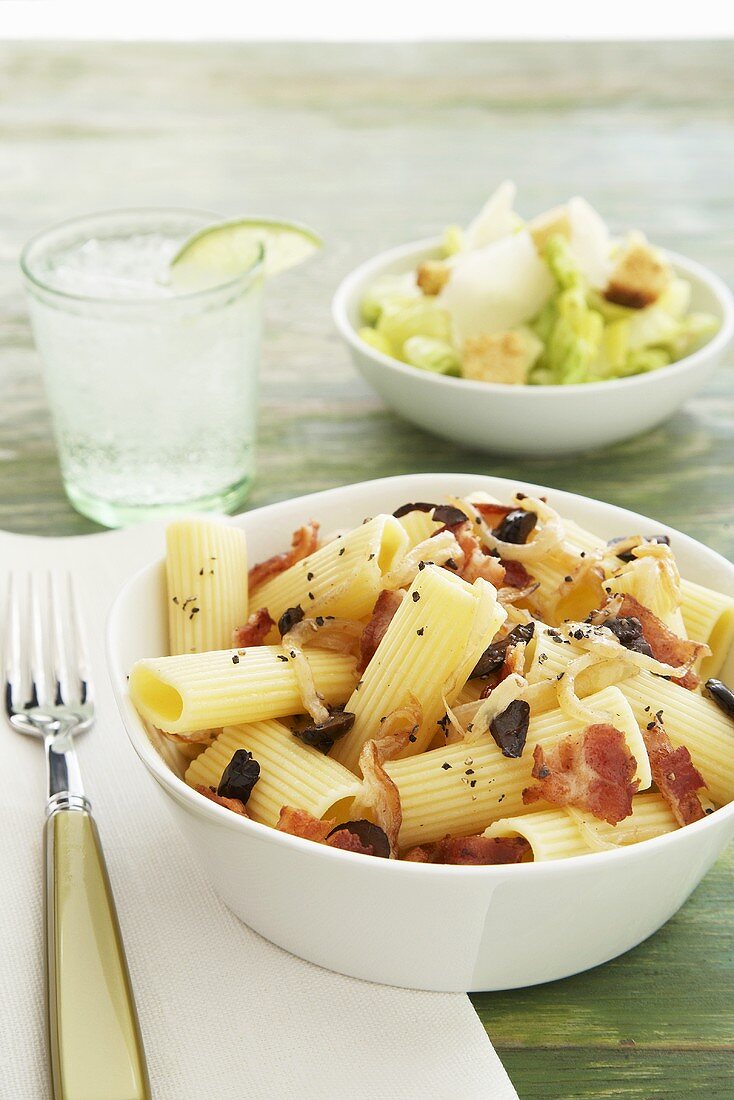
(153, 393)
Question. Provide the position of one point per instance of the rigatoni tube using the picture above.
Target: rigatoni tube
(342, 578)
(462, 788)
(556, 834)
(291, 773)
(196, 691)
(429, 649)
(206, 574)
(692, 720)
(708, 617)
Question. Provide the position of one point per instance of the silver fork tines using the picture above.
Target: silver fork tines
(47, 687)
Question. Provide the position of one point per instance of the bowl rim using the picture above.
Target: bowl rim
(200, 807)
(345, 293)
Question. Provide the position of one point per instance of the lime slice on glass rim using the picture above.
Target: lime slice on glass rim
(222, 251)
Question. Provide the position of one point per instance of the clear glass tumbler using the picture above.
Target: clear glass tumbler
(153, 393)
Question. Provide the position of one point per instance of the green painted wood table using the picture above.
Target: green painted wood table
(374, 146)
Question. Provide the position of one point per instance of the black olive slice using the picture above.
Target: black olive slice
(442, 513)
(368, 834)
(510, 728)
(240, 776)
(516, 527)
(448, 515)
(494, 655)
(722, 695)
(628, 631)
(322, 735)
(290, 618)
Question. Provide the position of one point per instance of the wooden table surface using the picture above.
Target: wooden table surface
(375, 145)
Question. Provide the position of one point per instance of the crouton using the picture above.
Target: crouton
(545, 226)
(501, 356)
(432, 276)
(639, 277)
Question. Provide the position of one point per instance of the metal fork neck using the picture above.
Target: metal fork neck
(64, 778)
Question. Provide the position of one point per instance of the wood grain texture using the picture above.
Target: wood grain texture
(374, 146)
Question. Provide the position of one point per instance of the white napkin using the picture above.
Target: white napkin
(223, 1012)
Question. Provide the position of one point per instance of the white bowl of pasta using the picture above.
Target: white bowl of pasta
(529, 419)
(563, 753)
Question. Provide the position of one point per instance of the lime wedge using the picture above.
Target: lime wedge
(228, 249)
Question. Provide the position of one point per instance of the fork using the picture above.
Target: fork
(94, 1036)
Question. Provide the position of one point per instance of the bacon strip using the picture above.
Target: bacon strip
(493, 514)
(516, 575)
(476, 562)
(592, 771)
(674, 775)
(666, 646)
(304, 542)
(382, 615)
(301, 823)
(471, 851)
(233, 804)
(255, 630)
(350, 842)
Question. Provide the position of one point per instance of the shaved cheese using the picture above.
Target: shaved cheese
(498, 287)
(590, 242)
(496, 219)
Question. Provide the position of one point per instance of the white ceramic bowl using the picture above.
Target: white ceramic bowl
(530, 420)
(422, 926)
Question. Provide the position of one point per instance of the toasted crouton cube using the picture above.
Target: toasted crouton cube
(432, 276)
(501, 356)
(545, 226)
(639, 277)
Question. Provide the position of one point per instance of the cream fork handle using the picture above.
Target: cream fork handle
(96, 1048)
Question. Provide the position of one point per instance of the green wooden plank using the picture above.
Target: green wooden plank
(674, 990)
(625, 1074)
(374, 146)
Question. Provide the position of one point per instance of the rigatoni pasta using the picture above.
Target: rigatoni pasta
(430, 647)
(206, 575)
(472, 682)
(203, 691)
(291, 773)
(342, 578)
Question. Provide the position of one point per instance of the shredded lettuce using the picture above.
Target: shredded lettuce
(430, 354)
(392, 290)
(422, 317)
(376, 340)
(505, 274)
(571, 331)
(453, 240)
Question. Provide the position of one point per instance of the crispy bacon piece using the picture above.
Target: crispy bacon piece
(304, 542)
(493, 514)
(592, 771)
(350, 842)
(233, 804)
(471, 851)
(476, 562)
(255, 630)
(665, 645)
(674, 775)
(516, 575)
(301, 823)
(382, 615)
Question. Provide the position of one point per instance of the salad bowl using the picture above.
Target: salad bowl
(530, 420)
(426, 926)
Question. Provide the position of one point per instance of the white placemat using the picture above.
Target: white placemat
(224, 1013)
